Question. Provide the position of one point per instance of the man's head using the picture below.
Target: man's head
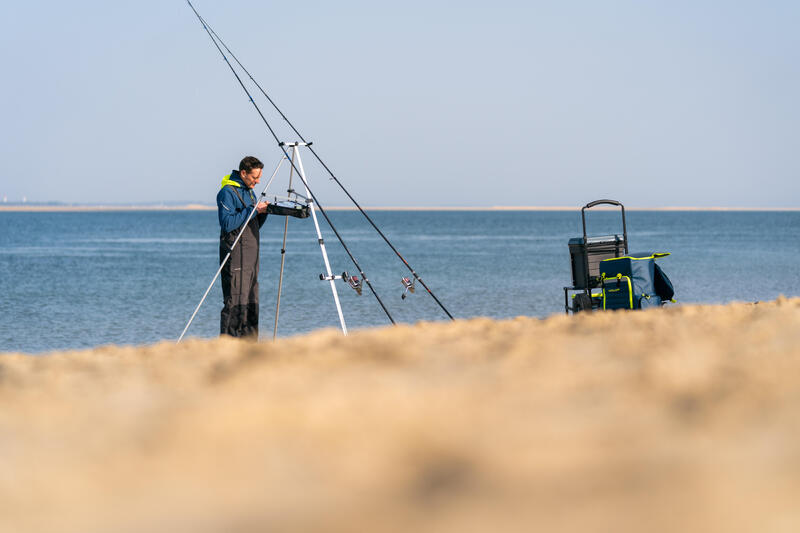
(250, 169)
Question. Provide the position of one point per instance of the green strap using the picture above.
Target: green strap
(239, 196)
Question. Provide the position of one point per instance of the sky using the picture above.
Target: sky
(681, 103)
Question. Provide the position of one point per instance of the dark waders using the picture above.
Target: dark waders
(239, 317)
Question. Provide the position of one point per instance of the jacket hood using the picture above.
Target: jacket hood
(234, 179)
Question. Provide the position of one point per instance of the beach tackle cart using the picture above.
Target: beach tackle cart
(586, 254)
(606, 276)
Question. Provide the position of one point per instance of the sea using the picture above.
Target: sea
(73, 280)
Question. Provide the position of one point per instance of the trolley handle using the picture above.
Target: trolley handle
(600, 202)
(606, 202)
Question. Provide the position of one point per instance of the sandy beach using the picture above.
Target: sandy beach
(678, 419)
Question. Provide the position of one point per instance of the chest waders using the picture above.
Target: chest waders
(239, 316)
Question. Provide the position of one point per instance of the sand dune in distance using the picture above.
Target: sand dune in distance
(681, 419)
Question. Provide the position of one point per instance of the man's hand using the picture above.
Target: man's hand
(262, 207)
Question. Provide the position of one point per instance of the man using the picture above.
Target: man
(235, 201)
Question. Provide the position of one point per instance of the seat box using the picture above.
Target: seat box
(591, 253)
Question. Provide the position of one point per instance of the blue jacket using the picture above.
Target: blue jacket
(231, 211)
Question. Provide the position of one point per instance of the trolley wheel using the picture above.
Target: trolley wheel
(582, 302)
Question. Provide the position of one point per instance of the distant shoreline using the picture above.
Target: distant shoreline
(199, 207)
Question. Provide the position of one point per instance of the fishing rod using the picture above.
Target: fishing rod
(230, 251)
(281, 145)
(319, 159)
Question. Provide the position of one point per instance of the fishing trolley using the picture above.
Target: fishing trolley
(605, 275)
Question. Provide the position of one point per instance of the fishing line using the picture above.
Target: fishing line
(216, 37)
(286, 154)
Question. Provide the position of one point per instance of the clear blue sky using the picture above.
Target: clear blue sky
(416, 103)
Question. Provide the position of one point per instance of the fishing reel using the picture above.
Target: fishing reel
(352, 281)
(408, 286)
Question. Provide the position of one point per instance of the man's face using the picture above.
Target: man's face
(251, 178)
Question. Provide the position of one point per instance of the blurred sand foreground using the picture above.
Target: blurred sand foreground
(683, 419)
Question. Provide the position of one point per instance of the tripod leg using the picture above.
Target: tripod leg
(283, 255)
(302, 176)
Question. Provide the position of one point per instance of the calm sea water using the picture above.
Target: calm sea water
(73, 280)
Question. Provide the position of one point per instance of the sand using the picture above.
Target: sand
(681, 419)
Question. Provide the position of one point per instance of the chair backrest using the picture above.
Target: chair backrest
(640, 270)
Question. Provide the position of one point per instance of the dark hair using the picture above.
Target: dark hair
(249, 163)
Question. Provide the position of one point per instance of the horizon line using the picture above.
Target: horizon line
(45, 207)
